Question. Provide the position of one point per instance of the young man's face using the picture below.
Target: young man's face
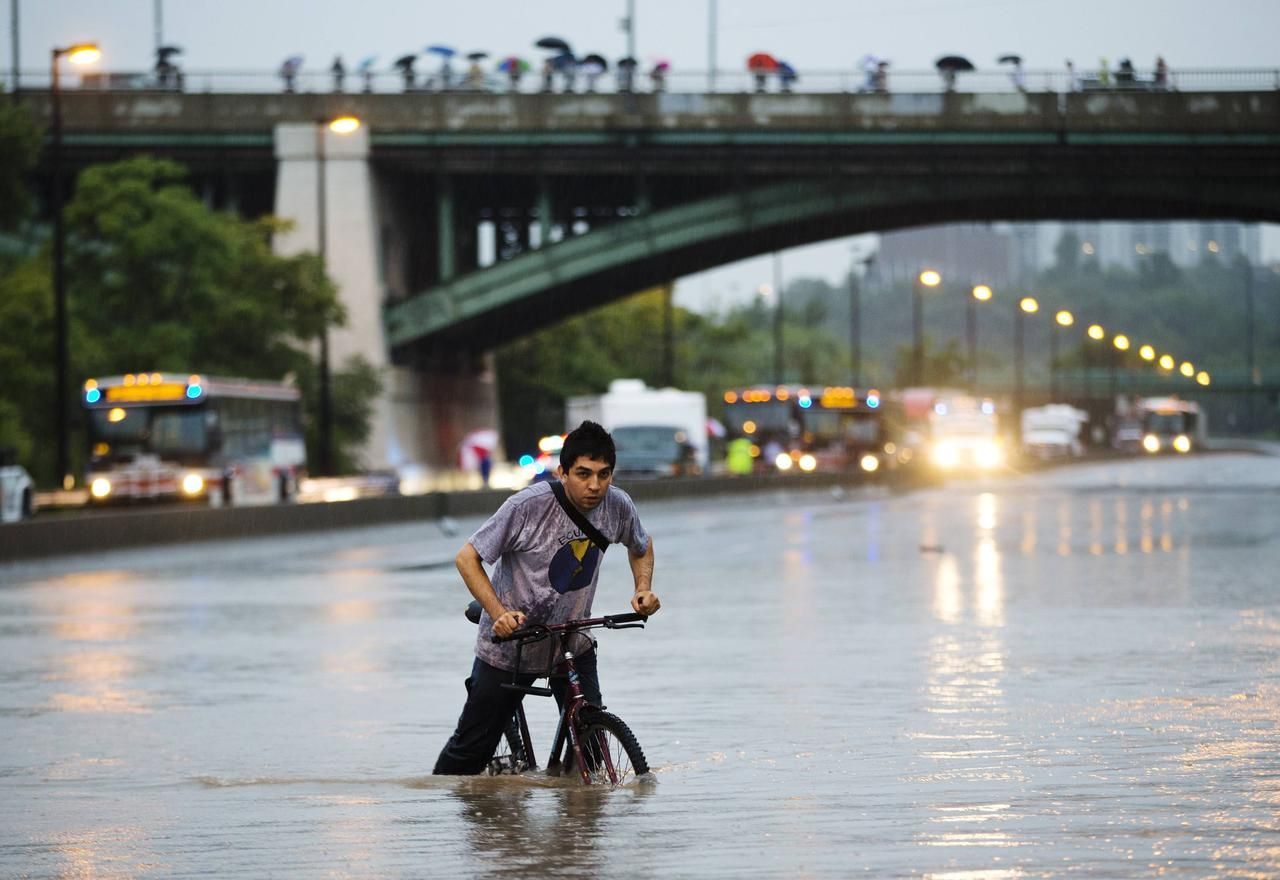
(586, 481)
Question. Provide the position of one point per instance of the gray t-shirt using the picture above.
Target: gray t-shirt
(546, 567)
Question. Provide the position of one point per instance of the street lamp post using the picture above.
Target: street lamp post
(927, 278)
(340, 125)
(1062, 319)
(1026, 306)
(980, 293)
(777, 318)
(81, 53)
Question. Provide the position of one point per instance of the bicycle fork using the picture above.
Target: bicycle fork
(568, 724)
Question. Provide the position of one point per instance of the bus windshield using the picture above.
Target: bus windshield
(170, 430)
(1168, 423)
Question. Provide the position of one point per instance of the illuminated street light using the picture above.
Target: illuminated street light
(1147, 353)
(80, 53)
(1187, 369)
(1064, 318)
(1166, 362)
(1121, 342)
(1096, 332)
(980, 293)
(1202, 377)
(1029, 305)
(927, 278)
(1026, 306)
(339, 125)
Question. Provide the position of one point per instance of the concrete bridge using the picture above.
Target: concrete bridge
(459, 221)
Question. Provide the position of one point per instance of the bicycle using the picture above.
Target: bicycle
(597, 743)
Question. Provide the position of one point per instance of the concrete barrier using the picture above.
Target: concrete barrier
(56, 535)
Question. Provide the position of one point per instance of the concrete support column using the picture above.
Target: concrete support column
(544, 213)
(446, 248)
(352, 231)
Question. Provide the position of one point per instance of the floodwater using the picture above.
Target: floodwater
(1068, 673)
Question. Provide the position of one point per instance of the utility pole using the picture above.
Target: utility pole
(711, 45)
(777, 318)
(629, 25)
(13, 39)
(159, 19)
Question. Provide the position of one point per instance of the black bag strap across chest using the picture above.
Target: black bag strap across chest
(593, 534)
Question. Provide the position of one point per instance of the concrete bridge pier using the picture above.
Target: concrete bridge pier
(425, 408)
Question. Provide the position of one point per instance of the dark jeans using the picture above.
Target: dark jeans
(489, 706)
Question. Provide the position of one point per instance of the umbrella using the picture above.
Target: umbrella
(564, 61)
(954, 62)
(662, 65)
(1009, 59)
(477, 56)
(553, 43)
(628, 62)
(762, 61)
(405, 61)
(787, 70)
(513, 63)
(475, 446)
(165, 51)
(445, 51)
(366, 63)
(595, 61)
(292, 63)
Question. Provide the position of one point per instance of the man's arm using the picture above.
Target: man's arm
(471, 567)
(644, 601)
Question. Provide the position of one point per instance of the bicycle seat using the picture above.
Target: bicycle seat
(473, 611)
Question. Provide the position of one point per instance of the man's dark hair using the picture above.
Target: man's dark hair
(588, 440)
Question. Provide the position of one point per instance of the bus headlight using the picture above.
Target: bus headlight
(100, 488)
(1151, 443)
(783, 461)
(945, 455)
(808, 463)
(988, 455)
(869, 463)
(1182, 443)
(192, 484)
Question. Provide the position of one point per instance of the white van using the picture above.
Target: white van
(17, 492)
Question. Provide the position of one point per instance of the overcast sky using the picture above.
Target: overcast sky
(812, 34)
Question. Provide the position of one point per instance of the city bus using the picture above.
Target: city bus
(170, 436)
(1171, 424)
(813, 428)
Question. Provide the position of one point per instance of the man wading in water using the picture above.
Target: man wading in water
(545, 571)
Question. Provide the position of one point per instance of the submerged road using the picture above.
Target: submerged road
(1075, 672)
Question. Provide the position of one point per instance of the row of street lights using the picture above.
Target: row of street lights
(1028, 305)
(87, 53)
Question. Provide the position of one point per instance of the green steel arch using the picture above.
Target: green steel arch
(537, 288)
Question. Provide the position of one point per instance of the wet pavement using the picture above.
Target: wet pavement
(1075, 672)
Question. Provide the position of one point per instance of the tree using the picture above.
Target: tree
(156, 281)
(19, 149)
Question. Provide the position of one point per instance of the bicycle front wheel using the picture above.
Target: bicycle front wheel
(610, 751)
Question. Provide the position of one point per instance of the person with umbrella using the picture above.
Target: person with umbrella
(787, 76)
(949, 66)
(760, 65)
(404, 64)
(365, 69)
(1017, 75)
(475, 73)
(550, 65)
(167, 74)
(593, 66)
(625, 73)
(289, 72)
(446, 54)
(514, 67)
(658, 75)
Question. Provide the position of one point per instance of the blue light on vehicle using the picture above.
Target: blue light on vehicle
(806, 402)
(93, 395)
(988, 407)
(873, 400)
(194, 391)
(526, 460)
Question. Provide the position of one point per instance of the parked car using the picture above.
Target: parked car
(17, 492)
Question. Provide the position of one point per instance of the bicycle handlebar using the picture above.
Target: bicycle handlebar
(541, 630)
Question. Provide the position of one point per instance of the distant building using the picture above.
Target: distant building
(1126, 244)
(976, 253)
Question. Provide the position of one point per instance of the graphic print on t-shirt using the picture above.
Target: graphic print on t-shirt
(573, 566)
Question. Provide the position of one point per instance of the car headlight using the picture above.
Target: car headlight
(808, 463)
(100, 488)
(783, 461)
(192, 484)
(945, 455)
(988, 455)
(1151, 443)
(1182, 443)
(869, 463)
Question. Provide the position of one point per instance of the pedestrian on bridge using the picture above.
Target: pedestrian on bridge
(339, 71)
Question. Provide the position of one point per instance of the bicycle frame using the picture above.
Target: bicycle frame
(575, 700)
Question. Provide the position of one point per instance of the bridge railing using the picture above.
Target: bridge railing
(687, 82)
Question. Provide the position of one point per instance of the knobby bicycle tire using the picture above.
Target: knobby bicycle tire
(602, 732)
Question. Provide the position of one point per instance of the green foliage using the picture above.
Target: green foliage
(19, 149)
(353, 388)
(158, 282)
